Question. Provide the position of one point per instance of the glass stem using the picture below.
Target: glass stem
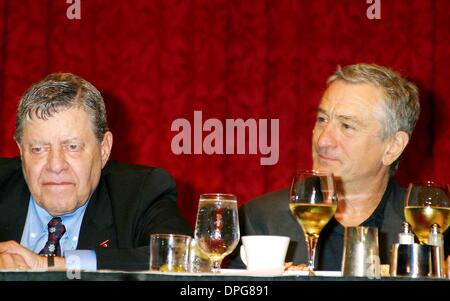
(311, 241)
(215, 265)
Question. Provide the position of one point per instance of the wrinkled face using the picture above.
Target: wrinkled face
(347, 134)
(62, 160)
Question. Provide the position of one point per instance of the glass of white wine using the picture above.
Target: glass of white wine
(427, 204)
(313, 203)
(217, 226)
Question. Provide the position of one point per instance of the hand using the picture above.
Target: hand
(16, 256)
(12, 262)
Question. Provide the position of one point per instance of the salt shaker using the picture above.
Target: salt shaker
(405, 237)
(436, 240)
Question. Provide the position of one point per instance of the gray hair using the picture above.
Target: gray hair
(401, 97)
(59, 92)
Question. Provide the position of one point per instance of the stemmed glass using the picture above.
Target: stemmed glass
(313, 203)
(217, 226)
(427, 204)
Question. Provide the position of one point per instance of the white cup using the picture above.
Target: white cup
(264, 254)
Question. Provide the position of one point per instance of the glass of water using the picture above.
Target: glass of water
(217, 227)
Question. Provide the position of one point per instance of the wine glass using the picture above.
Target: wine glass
(313, 203)
(427, 204)
(217, 226)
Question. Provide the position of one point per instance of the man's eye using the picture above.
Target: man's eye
(320, 119)
(74, 147)
(347, 126)
(37, 150)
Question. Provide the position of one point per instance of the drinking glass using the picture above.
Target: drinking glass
(427, 204)
(169, 252)
(217, 226)
(313, 203)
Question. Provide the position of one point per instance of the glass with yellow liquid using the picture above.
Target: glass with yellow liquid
(427, 204)
(313, 204)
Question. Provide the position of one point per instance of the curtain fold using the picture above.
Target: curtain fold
(156, 61)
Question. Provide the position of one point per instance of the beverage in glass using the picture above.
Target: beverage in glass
(217, 226)
(427, 204)
(313, 203)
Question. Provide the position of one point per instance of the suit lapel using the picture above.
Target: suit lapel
(98, 225)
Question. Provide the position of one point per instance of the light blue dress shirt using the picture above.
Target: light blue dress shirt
(35, 235)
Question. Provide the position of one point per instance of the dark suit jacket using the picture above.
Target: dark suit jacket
(270, 215)
(129, 204)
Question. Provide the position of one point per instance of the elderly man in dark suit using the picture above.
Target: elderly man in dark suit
(364, 122)
(62, 199)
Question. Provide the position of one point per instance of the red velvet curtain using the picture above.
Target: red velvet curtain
(159, 60)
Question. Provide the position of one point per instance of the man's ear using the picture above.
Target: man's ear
(395, 147)
(20, 148)
(106, 147)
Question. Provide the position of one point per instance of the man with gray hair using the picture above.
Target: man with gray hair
(364, 121)
(62, 203)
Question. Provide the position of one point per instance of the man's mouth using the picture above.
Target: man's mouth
(57, 183)
(326, 158)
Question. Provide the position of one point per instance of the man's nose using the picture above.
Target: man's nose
(327, 136)
(56, 161)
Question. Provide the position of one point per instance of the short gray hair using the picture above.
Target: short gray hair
(59, 92)
(401, 97)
